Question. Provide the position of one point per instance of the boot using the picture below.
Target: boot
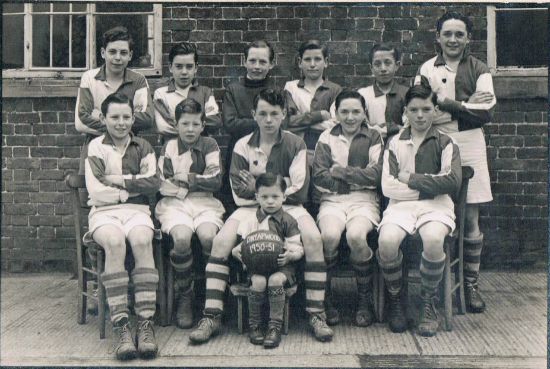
(255, 303)
(396, 317)
(474, 301)
(320, 328)
(124, 344)
(429, 319)
(273, 336)
(207, 327)
(365, 306)
(184, 310)
(472, 259)
(145, 337)
(332, 313)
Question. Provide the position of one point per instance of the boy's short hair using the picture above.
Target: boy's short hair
(350, 94)
(118, 33)
(269, 179)
(385, 47)
(271, 96)
(116, 98)
(189, 106)
(312, 45)
(184, 48)
(260, 44)
(454, 15)
(422, 91)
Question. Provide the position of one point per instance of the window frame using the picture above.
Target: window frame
(492, 49)
(64, 72)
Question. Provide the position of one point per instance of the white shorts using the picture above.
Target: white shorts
(124, 217)
(473, 153)
(190, 212)
(244, 212)
(346, 207)
(411, 215)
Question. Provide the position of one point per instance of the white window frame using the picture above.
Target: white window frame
(61, 72)
(492, 49)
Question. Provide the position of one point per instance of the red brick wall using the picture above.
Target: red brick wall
(40, 144)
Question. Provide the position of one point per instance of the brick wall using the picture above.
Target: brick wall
(40, 145)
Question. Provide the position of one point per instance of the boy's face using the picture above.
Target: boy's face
(350, 115)
(118, 120)
(117, 55)
(190, 127)
(453, 38)
(183, 69)
(270, 199)
(384, 66)
(313, 64)
(257, 63)
(269, 117)
(420, 113)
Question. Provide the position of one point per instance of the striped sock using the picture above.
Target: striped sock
(363, 272)
(472, 258)
(315, 277)
(116, 289)
(277, 298)
(431, 273)
(392, 271)
(145, 291)
(217, 275)
(182, 263)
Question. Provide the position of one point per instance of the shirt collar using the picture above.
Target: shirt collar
(184, 147)
(406, 133)
(378, 92)
(108, 140)
(302, 83)
(254, 140)
(277, 216)
(102, 75)
(440, 60)
(337, 130)
(172, 85)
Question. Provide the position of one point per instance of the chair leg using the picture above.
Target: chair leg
(459, 280)
(448, 298)
(82, 298)
(101, 298)
(380, 296)
(161, 291)
(240, 313)
(286, 315)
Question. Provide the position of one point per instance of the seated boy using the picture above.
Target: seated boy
(183, 64)
(346, 171)
(421, 171)
(270, 194)
(385, 99)
(267, 149)
(190, 174)
(121, 172)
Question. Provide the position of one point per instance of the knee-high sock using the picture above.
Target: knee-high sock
(217, 275)
(146, 282)
(431, 272)
(331, 263)
(315, 277)
(392, 270)
(472, 258)
(116, 289)
(255, 304)
(363, 272)
(276, 305)
(182, 263)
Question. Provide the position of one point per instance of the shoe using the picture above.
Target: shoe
(145, 338)
(365, 309)
(207, 327)
(320, 328)
(256, 335)
(125, 349)
(184, 309)
(396, 315)
(91, 303)
(333, 315)
(273, 336)
(429, 319)
(474, 301)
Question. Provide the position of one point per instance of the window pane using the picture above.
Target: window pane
(12, 41)
(13, 8)
(61, 7)
(124, 7)
(79, 7)
(41, 40)
(522, 38)
(41, 7)
(137, 26)
(79, 41)
(60, 45)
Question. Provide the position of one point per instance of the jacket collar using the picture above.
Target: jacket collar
(101, 75)
(277, 216)
(440, 60)
(254, 140)
(406, 133)
(108, 140)
(184, 147)
(378, 92)
(172, 85)
(256, 83)
(337, 130)
(302, 83)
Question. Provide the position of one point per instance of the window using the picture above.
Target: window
(64, 39)
(517, 40)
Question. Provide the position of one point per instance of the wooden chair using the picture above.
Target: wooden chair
(85, 273)
(454, 260)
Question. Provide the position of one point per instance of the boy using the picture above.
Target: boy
(270, 195)
(421, 171)
(183, 63)
(346, 172)
(465, 94)
(121, 171)
(267, 149)
(190, 174)
(385, 98)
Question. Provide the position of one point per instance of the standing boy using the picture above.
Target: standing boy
(190, 172)
(267, 149)
(184, 63)
(421, 172)
(346, 171)
(121, 172)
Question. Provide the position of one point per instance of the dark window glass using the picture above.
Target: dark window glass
(13, 41)
(13, 8)
(61, 7)
(41, 7)
(123, 7)
(79, 41)
(60, 42)
(41, 40)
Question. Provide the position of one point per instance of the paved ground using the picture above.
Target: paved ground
(38, 327)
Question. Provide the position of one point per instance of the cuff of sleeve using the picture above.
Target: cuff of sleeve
(182, 193)
(123, 195)
(316, 117)
(192, 179)
(451, 105)
(413, 181)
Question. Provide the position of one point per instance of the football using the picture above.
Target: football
(260, 250)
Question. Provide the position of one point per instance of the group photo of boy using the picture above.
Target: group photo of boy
(308, 168)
